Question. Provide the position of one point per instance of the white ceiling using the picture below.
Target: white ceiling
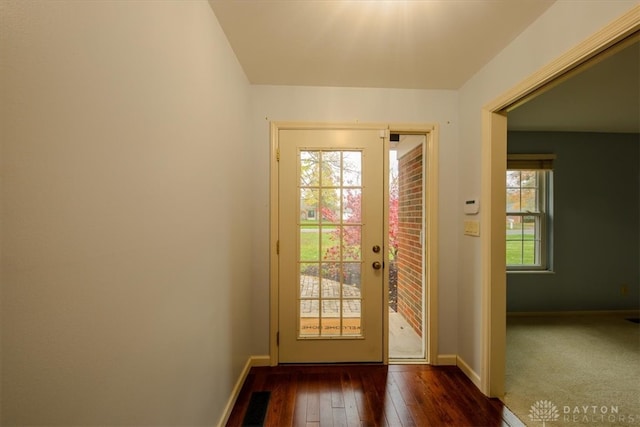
(431, 44)
(428, 44)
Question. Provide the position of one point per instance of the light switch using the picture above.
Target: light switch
(472, 228)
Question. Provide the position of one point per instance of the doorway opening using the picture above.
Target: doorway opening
(494, 130)
(301, 217)
(407, 293)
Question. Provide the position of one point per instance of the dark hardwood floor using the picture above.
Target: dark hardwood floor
(370, 395)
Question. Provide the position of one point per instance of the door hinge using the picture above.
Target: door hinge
(277, 247)
(277, 338)
(277, 155)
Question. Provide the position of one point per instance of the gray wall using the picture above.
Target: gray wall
(596, 222)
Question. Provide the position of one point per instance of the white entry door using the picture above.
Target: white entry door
(331, 245)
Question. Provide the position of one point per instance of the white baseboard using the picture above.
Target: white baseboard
(251, 362)
(455, 360)
(446, 360)
(260, 360)
(470, 373)
(574, 313)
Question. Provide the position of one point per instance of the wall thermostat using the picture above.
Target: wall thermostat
(471, 206)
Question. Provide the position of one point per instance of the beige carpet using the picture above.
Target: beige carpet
(573, 371)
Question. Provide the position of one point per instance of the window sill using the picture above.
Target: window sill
(531, 272)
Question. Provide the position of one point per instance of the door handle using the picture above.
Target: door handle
(376, 265)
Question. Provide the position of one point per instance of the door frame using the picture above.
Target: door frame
(493, 169)
(430, 131)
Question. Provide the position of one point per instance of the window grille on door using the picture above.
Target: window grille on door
(330, 244)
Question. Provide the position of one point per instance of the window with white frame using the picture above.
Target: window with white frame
(528, 211)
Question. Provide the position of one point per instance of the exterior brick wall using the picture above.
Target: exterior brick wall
(409, 258)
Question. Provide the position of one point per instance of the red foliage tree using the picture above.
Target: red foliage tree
(393, 226)
(351, 234)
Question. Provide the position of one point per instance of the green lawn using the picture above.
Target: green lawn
(519, 252)
(515, 252)
(310, 250)
(310, 244)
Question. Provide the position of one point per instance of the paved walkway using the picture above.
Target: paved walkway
(310, 288)
(404, 343)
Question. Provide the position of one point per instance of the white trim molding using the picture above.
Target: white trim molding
(621, 313)
(470, 373)
(494, 158)
(447, 360)
(251, 362)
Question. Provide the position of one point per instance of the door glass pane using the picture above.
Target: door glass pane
(351, 280)
(331, 280)
(309, 168)
(330, 239)
(309, 318)
(351, 317)
(309, 243)
(309, 199)
(352, 205)
(331, 318)
(309, 280)
(351, 168)
(330, 205)
(330, 167)
(351, 243)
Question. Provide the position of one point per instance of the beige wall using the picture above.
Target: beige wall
(124, 213)
(129, 218)
(331, 104)
(563, 26)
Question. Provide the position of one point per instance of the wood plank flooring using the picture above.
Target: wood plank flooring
(370, 395)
